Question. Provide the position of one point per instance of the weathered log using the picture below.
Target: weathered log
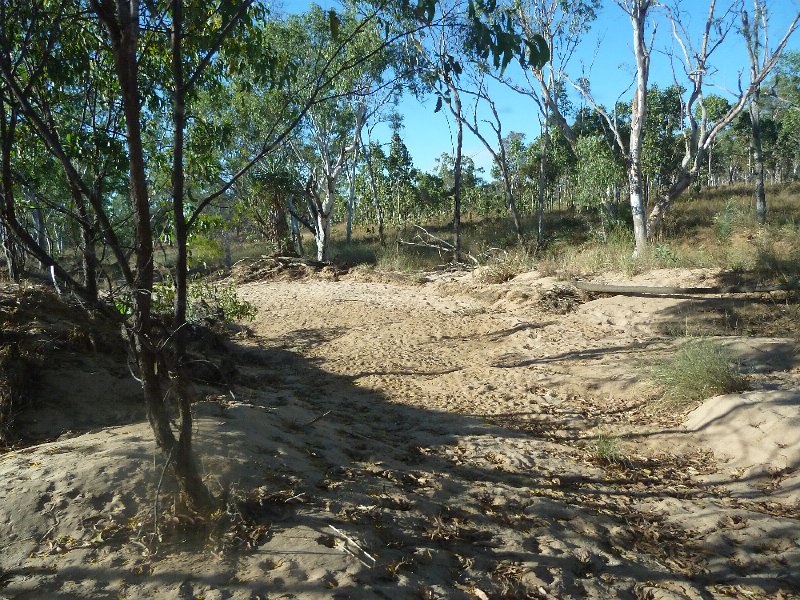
(668, 291)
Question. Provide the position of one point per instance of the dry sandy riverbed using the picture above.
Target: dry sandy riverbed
(440, 439)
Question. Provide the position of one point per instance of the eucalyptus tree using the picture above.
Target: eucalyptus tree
(755, 30)
(637, 12)
(597, 172)
(59, 96)
(477, 89)
(374, 158)
(332, 127)
(695, 63)
(400, 174)
(716, 107)
(563, 24)
(661, 143)
(785, 108)
(462, 33)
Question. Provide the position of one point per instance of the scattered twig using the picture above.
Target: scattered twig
(425, 239)
(315, 419)
(361, 550)
(158, 492)
(155, 502)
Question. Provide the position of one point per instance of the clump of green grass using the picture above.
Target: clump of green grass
(606, 449)
(699, 369)
(723, 222)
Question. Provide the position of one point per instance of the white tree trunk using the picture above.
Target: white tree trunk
(638, 16)
(322, 236)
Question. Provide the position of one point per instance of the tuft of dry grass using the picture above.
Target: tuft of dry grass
(699, 369)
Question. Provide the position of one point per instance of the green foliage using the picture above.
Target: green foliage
(204, 248)
(664, 255)
(701, 368)
(217, 301)
(723, 222)
(596, 172)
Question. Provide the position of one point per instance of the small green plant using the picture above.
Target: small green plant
(606, 449)
(665, 255)
(699, 369)
(218, 301)
(205, 300)
(506, 265)
(723, 222)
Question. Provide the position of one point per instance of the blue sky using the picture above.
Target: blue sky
(607, 49)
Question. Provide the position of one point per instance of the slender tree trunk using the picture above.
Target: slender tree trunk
(189, 480)
(511, 201)
(500, 158)
(456, 106)
(41, 229)
(376, 200)
(351, 199)
(87, 243)
(638, 17)
(9, 251)
(542, 180)
(123, 31)
(758, 158)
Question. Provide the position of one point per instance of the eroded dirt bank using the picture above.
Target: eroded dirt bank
(444, 439)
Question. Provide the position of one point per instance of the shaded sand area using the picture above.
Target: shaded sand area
(444, 438)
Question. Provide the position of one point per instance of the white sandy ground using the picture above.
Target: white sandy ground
(437, 440)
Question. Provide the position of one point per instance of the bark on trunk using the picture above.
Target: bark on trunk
(542, 181)
(638, 17)
(758, 158)
(322, 236)
(666, 200)
(10, 252)
(456, 108)
(123, 30)
(323, 220)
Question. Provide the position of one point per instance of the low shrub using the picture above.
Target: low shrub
(699, 369)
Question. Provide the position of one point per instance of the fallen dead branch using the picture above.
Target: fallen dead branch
(425, 239)
(668, 291)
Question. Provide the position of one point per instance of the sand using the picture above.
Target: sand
(436, 438)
